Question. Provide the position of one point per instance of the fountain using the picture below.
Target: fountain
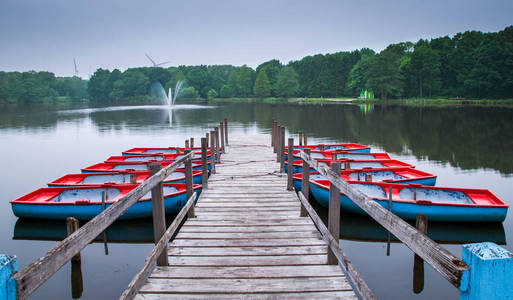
(158, 90)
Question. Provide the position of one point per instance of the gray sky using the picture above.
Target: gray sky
(46, 35)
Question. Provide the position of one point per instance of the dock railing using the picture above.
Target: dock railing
(20, 285)
(474, 282)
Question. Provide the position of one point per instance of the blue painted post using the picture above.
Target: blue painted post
(8, 266)
(490, 273)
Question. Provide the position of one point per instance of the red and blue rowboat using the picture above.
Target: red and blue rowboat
(85, 202)
(164, 150)
(350, 147)
(353, 164)
(401, 175)
(121, 177)
(129, 166)
(317, 154)
(437, 203)
(148, 157)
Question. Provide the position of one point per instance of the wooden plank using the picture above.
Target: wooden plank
(36, 273)
(340, 295)
(247, 272)
(249, 251)
(253, 285)
(248, 242)
(448, 265)
(245, 222)
(267, 209)
(233, 204)
(236, 217)
(248, 229)
(255, 215)
(256, 235)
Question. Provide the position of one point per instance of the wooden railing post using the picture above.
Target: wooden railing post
(305, 139)
(77, 282)
(186, 143)
(418, 263)
(104, 205)
(290, 156)
(300, 138)
(218, 150)
(208, 139)
(72, 226)
(221, 130)
(282, 149)
(334, 212)
(192, 142)
(188, 184)
(212, 152)
(204, 165)
(277, 143)
(159, 214)
(305, 182)
(226, 131)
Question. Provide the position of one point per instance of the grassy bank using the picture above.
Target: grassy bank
(440, 102)
(284, 100)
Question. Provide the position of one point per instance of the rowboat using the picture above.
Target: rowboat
(121, 177)
(164, 150)
(350, 147)
(148, 157)
(437, 203)
(130, 166)
(352, 164)
(401, 175)
(84, 202)
(317, 154)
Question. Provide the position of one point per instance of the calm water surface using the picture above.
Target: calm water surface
(465, 147)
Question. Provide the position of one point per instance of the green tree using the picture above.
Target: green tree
(226, 91)
(189, 93)
(287, 84)
(212, 94)
(262, 87)
(384, 73)
(425, 66)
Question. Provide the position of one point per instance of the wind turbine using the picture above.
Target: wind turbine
(154, 63)
(75, 64)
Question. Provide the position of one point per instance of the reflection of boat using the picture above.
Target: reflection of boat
(168, 150)
(133, 166)
(437, 203)
(317, 154)
(350, 147)
(352, 164)
(402, 175)
(178, 176)
(124, 231)
(363, 228)
(85, 202)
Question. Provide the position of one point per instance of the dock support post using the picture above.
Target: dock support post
(226, 131)
(188, 184)
(305, 182)
(192, 142)
(272, 132)
(204, 165)
(277, 143)
(218, 150)
(159, 214)
(290, 155)
(104, 205)
(418, 263)
(490, 272)
(300, 138)
(208, 139)
(8, 266)
(334, 212)
(212, 152)
(186, 143)
(221, 129)
(77, 283)
(305, 139)
(282, 149)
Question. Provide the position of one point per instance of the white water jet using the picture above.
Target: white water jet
(158, 90)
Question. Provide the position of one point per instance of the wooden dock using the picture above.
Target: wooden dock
(247, 239)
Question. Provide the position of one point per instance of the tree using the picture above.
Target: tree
(271, 68)
(189, 93)
(287, 84)
(384, 73)
(262, 87)
(226, 91)
(212, 94)
(425, 66)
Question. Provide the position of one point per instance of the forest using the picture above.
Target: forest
(470, 65)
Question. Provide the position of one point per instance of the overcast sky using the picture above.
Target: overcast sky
(46, 35)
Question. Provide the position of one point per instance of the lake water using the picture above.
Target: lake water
(465, 147)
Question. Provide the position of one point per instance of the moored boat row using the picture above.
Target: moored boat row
(81, 195)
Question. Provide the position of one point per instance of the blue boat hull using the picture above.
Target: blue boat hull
(409, 211)
(427, 181)
(141, 209)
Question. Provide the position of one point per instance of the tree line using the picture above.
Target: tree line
(472, 64)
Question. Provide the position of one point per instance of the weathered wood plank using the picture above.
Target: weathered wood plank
(340, 295)
(247, 242)
(238, 235)
(247, 272)
(248, 229)
(268, 209)
(249, 251)
(255, 215)
(246, 222)
(253, 285)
